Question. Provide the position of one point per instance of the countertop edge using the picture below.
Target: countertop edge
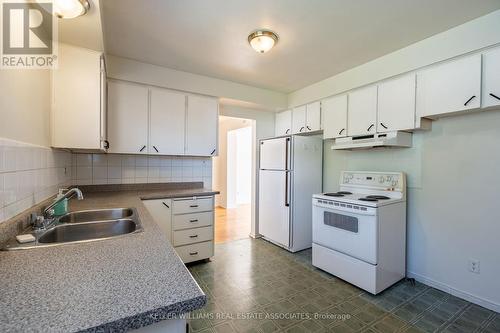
(173, 311)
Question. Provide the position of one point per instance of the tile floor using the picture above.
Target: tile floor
(254, 286)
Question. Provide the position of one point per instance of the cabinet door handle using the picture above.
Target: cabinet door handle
(342, 130)
(495, 96)
(309, 128)
(106, 144)
(382, 124)
(213, 151)
(156, 149)
(288, 130)
(143, 147)
(193, 236)
(193, 253)
(370, 128)
(194, 206)
(194, 220)
(164, 204)
(301, 129)
(470, 99)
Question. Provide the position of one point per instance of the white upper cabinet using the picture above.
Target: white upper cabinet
(283, 123)
(334, 113)
(299, 120)
(450, 87)
(491, 78)
(396, 104)
(167, 122)
(127, 118)
(78, 113)
(313, 117)
(306, 118)
(362, 111)
(201, 126)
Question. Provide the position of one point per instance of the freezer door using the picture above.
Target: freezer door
(274, 206)
(275, 154)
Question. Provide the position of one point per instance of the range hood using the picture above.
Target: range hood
(391, 140)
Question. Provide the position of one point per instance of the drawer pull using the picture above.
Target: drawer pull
(193, 253)
(164, 204)
(193, 236)
(195, 220)
(193, 206)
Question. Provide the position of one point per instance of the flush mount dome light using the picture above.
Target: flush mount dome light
(68, 9)
(262, 40)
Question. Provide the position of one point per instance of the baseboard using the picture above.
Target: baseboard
(252, 235)
(455, 292)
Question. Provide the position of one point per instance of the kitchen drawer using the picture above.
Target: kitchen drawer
(196, 235)
(190, 205)
(195, 252)
(194, 220)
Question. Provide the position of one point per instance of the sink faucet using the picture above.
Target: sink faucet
(47, 218)
(48, 212)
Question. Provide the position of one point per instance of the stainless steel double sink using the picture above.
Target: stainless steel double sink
(84, 226)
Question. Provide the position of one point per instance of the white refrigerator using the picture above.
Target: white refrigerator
(290, 173)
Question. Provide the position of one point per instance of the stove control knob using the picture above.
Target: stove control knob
(394, 183)
(381, 179)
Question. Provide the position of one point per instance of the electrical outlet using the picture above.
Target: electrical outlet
(474, 266)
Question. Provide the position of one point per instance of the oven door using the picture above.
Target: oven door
(352, 233)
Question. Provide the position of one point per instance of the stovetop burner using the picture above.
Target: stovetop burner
(367, 199)
(378, 197)
(337, 194)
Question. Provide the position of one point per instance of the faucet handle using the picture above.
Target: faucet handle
(38, 222)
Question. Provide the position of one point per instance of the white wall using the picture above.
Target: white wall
(25, 105)
(220, 170)
(244, 166)
(471, 36)
(130, 70)
(453, 201)
(264, 128)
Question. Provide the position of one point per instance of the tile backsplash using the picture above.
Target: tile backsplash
(29, 174)
(95, 169)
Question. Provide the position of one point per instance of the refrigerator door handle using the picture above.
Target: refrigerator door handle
(287, 154)
(287, 199)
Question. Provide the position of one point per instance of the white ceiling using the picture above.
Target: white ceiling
(318, 38)
(84, 31)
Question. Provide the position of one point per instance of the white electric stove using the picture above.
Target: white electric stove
(359, 232)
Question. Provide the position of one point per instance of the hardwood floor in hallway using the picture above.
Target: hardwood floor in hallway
(232, 224)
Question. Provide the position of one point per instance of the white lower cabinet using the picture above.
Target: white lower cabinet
(188, 224)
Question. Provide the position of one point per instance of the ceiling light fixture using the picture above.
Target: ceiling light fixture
(262, 40)
(68, 9)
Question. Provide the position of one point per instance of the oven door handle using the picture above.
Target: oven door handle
(346, 212)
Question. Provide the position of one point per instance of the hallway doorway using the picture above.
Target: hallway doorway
(232, 175)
